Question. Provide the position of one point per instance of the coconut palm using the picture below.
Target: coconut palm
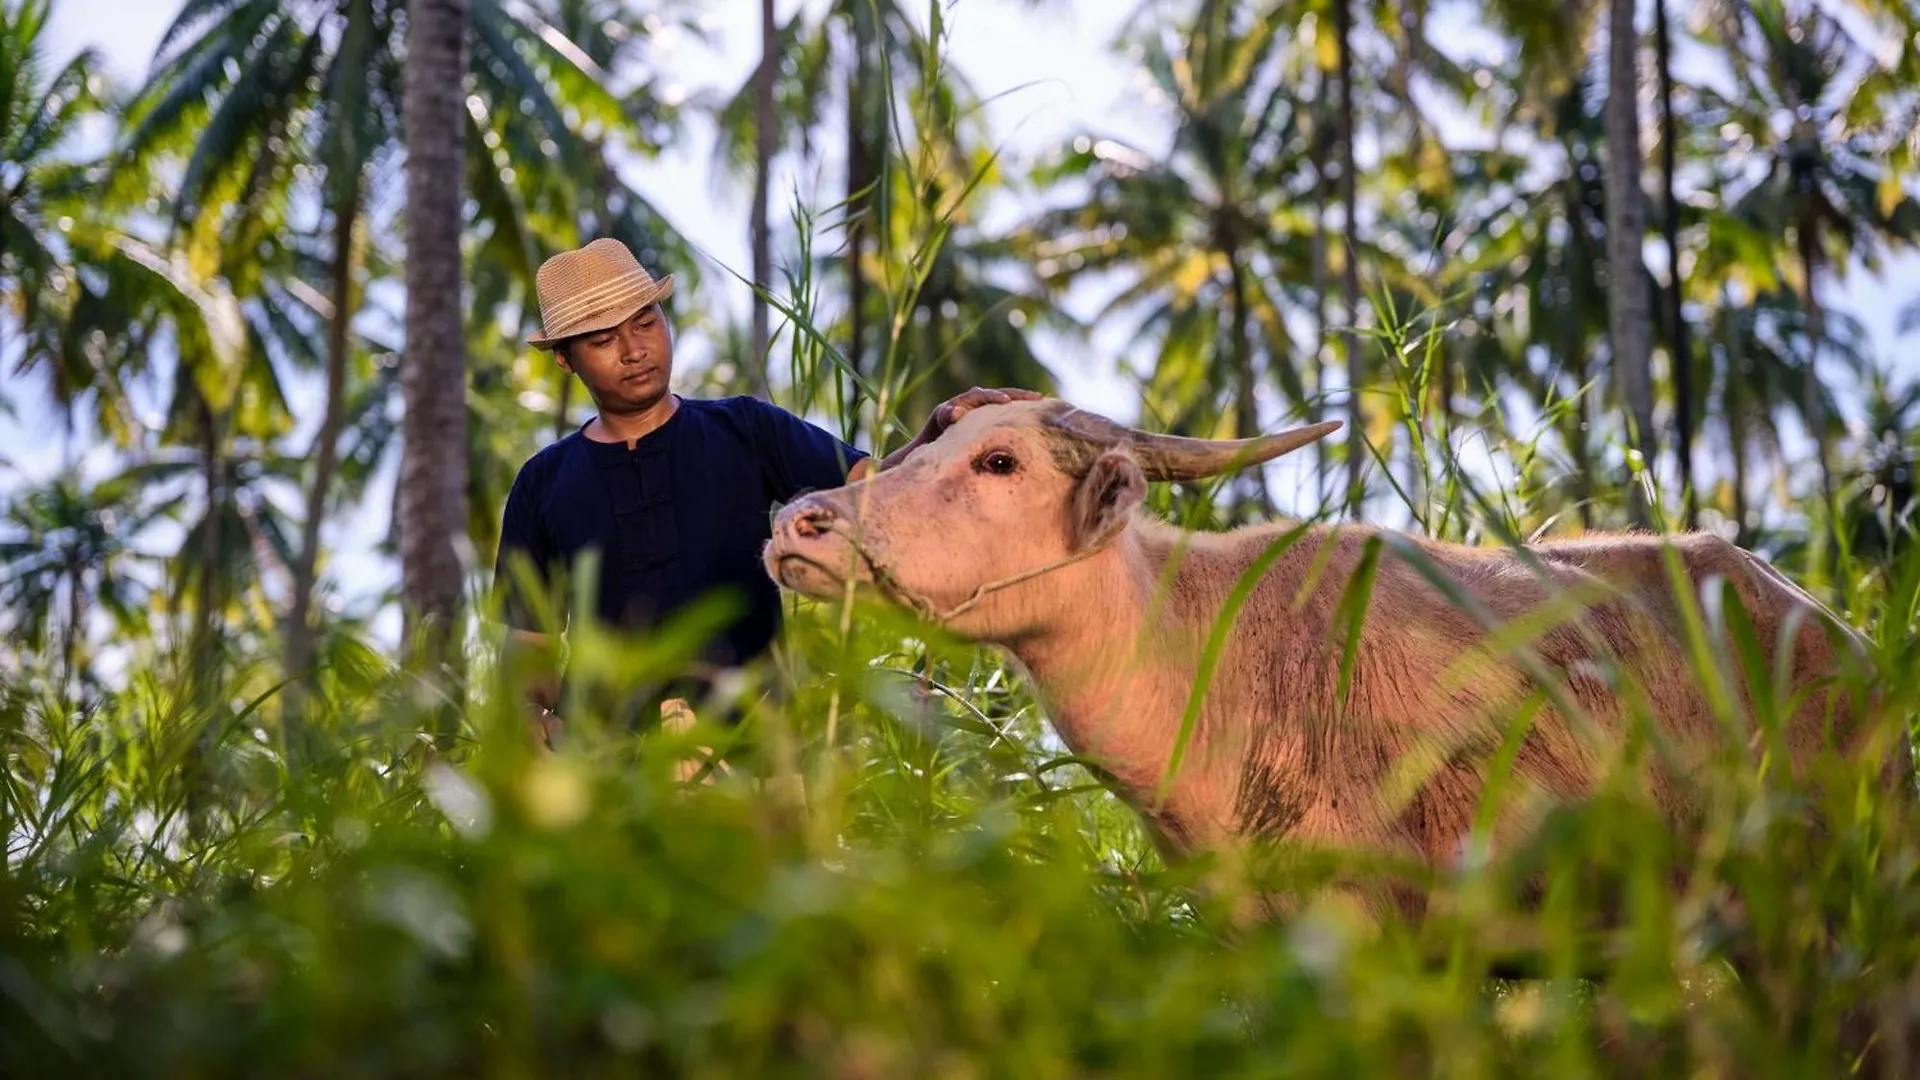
(1882, 510)
(884, 59)
(1205, 233)
(1758, 356)
(1814, 134)
(1536, 247)
(971, 322)
(63, 557)
(1348, 184)
(222, 397)
(39, 188)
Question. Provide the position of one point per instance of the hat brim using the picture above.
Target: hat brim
(619, 310)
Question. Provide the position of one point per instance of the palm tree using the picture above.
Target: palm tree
(224, 396)
(39, 186)
(778, 110)
(884, 55)
(1206, 231)
(1627, 285)
(67, 556)
(1762, 351)
(1883, 510)
(1816, 135)
(970, 324)
(433, 470)
(287, 102)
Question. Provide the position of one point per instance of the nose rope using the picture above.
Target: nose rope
(892, 585)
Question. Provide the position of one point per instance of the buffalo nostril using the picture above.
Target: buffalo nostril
(813, 521)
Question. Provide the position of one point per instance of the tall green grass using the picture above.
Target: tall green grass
(944, 892)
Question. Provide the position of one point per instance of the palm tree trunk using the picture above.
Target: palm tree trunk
(325, 451)
(1737, 446)
(70, 634)
(1578, 447)
(859, 178)
(1322, 194)
(1627, 309)
(203, 653)
(1734, 405)
(1350, 279)
(764, 123)
(1815, 404)
(1678, 347)
(209, 595)
(1246, 416)
(1808, 242)
(433, 473)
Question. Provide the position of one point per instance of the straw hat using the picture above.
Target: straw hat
(593, 288)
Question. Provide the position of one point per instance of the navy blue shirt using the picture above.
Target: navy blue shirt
(684, 512)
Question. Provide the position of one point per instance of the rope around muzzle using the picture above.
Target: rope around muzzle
(892, 586)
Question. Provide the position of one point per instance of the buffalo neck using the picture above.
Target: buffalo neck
(1108, 668)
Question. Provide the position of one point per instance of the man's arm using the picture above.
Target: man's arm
(944, 416)
(533, 655)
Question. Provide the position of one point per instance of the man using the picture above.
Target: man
(672, 494)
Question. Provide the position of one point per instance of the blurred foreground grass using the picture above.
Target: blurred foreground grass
(952, 899)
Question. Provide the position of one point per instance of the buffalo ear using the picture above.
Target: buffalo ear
(1103, 499)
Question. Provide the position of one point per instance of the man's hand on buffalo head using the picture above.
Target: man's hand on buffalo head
(948, 413)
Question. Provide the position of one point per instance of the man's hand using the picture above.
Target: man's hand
(677, 717)
(543, 724)
(949, 412)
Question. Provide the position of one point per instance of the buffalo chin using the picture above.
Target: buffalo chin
(802, 574)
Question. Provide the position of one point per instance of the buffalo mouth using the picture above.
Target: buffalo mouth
(805, 575)
(818, 574)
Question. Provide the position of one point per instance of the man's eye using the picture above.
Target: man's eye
(997, 462)
(601, 342)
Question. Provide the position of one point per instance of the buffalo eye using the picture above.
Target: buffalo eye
(997, 462)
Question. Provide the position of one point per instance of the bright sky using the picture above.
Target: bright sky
(1058, 76)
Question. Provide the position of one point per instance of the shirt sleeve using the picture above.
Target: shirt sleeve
(798, 456)
(521, 537)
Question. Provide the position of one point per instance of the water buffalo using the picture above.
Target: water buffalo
(1020, 526)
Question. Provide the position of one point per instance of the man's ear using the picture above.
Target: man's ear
(1104, 499)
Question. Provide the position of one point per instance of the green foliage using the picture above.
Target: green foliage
(953, 897)
(891, 866)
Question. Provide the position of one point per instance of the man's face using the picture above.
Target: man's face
(625, 368)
